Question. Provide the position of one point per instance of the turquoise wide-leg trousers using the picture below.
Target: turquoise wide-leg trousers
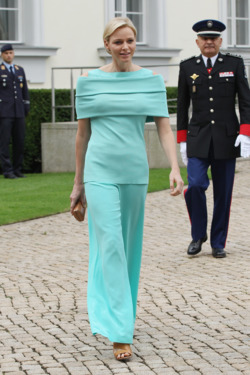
(115, 219)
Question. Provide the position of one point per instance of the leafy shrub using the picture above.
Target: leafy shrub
(40, 111)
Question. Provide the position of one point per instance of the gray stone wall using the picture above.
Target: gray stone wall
(58, 146)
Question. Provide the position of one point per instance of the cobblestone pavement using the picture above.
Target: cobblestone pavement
(193, 314)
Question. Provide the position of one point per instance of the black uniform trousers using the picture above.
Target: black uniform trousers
(12, 128)
(222, 171)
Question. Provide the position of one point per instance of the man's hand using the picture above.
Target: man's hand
(244, 142)
(183, 151)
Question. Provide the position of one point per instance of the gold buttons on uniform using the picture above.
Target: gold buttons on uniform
(212, 122)
(211, 99)
(209, 77)
(210, 88)
(211, 110)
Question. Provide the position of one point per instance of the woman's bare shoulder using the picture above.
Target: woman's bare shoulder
(85, 74)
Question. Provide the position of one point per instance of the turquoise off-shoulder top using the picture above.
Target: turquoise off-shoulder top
(118, 104)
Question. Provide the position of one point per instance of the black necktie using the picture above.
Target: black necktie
(209, 63)
(12, 72)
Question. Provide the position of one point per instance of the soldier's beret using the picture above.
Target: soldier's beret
(6, 47)
(209, 28)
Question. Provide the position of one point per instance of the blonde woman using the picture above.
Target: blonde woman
(112, 104)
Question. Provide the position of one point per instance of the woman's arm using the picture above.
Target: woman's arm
(167, 140)
(82, 139)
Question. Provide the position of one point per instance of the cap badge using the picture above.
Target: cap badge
(194, 76)
(209, 24)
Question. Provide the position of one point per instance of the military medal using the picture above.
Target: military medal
(21, 85)
(194, 76)
(226, 74)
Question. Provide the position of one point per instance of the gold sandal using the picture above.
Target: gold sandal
(122, 349)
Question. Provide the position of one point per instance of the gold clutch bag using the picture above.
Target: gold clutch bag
(79, 211)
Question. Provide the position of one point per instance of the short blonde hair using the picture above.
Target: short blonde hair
(116, 23)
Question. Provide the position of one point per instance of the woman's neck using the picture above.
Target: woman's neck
(113, 67)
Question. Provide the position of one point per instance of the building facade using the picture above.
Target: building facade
(60, 33)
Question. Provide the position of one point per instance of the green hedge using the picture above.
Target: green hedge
(40, 111)
(172, 94)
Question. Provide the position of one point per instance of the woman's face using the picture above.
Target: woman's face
(121, 44)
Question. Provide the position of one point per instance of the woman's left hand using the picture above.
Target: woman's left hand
(78, 193)
(176, 183)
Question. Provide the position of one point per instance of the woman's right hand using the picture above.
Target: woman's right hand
(78, 193)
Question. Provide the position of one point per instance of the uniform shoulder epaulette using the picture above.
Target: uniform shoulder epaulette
(189, 58)
(233, 55)
(17, 67)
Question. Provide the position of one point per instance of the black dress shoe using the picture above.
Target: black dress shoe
(195, 246)
(218, 253)
(19, 174)
(10, 175)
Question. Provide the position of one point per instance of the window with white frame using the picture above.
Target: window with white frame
(135, 10)
(149, 17)
(238, 23)
(10, 20)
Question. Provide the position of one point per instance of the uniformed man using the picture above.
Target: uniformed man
(213, 135)
(14, 106)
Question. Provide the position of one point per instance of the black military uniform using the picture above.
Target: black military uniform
(213, 100)
(210, 135)
(14, 106)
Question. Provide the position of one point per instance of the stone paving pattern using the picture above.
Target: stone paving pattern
(193, 313)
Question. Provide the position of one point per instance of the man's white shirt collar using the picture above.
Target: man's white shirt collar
(213, 59)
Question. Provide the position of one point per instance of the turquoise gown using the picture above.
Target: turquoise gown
(116, 179)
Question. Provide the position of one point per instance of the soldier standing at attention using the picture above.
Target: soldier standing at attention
(213, 136)
(14, 106)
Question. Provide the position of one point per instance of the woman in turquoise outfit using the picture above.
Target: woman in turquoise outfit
(112, 105)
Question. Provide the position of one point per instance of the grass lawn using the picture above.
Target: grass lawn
(46, 194)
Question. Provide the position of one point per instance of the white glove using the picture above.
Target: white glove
(183, 151)
(244, 142)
